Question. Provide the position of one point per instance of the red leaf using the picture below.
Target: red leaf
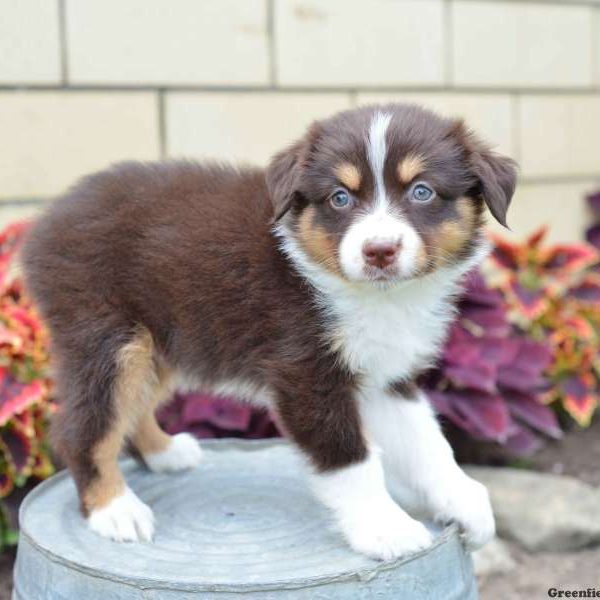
(536, 238)
(531, 303)
(570, 257)
(587, 291)
(580, 399)
(505, 254)
(16, 397)
(6, 485)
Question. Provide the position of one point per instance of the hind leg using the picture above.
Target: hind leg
(105, 388)
(159, 451)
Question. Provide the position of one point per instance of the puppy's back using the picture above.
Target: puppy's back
(137, 228)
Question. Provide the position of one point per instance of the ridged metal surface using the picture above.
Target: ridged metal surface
(242, 522)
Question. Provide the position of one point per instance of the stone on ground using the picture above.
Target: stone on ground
(540, 511)
(493, 559)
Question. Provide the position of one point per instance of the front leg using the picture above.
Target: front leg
(346, 473)
(419, 463)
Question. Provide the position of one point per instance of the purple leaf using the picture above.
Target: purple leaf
(478, 292)
(594, 202)
(522, 442)
(526, 408)
(484, 320)
(587, 291)
(19, 447)
(593, 235)
(461, 347)
(520, 377)
(220, 412)
(533, 356)
(575, 387)
(498, 351)
(483, 415)
(530, 300)
(476, 376)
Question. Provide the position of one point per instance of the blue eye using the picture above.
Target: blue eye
(340, 199)
(422, 193)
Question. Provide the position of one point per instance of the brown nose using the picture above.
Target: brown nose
(380, 254)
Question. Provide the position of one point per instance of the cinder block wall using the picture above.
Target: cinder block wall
(84, 83)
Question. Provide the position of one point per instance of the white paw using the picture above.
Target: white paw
(386, 533)
(125, 519)
(183, 453)
(467, 503)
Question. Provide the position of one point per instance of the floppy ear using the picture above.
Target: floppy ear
(282, 178)
(284, 171)
(496, 175)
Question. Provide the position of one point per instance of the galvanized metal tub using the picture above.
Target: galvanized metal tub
(242, 523)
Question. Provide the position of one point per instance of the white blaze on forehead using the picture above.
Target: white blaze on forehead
(376, 152)
(380, 223)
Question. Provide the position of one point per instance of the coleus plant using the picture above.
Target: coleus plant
(25, 388)
(490, 377)
(209, 416)
(553, 294)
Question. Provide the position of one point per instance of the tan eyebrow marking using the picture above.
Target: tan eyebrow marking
(409, 167)
(349, 175)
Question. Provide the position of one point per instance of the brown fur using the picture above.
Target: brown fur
(135, 390)
(145, 271)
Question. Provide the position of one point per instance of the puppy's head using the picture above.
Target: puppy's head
(388, 193)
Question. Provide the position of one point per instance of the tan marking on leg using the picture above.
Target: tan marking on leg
(349, 175)
(409, 167)
(317, 242)
(148, 437)
(136, 383)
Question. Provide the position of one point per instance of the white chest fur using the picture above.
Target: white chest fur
(385, 333)
(389, 334)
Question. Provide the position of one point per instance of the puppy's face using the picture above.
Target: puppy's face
(388, 193)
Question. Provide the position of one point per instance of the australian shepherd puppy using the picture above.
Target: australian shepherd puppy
(320, 287)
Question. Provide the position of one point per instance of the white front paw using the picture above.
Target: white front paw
(124, 519)
(183, 453)
(386, 533)
(467, 503)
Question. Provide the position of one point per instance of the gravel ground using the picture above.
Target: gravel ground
(577, 454)
(536, 573)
